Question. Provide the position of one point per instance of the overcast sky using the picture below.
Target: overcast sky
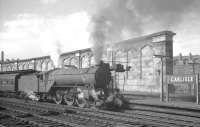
(32, 28)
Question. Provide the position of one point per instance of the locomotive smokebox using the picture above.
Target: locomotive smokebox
(102, 75)
(101, 63)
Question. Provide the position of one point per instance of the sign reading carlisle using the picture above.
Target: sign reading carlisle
(184, 79)
(181, 79)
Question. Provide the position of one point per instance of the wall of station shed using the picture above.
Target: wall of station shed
(145, 72)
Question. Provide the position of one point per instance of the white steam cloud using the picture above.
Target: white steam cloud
(55, 53)
(117, 20)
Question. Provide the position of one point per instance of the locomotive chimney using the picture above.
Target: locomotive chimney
(100, 63)
(2, 56)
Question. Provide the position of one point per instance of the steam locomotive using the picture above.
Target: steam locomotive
(67, 85)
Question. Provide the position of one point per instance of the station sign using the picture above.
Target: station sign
(184, 79)
(181, 79)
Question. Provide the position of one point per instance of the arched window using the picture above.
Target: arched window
(14, 67)
(92, 61)
(147, 63)
(8, 68)
(38, 67)
(31, 66)
(43, 66)
(24, 67)
(50, 65)
(66, 61)
(20, 66)
(74, 61)
(85, 62)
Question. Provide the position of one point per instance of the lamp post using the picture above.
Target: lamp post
(162, 83)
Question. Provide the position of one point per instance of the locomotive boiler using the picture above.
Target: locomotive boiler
(97, 77)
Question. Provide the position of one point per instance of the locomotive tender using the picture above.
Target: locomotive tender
(69, 85)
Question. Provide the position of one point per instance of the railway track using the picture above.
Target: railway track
(143, 118)
(150, 118)
(14, 117)
(7, 120)
(52, 115)
(179, 111)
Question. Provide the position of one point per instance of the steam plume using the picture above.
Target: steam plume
(117, 20)
(98, 36)
(56, 53)
(108, 24)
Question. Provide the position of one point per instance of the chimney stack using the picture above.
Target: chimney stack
(2, 56)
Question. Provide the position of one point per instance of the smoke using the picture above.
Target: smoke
(56, 51)
(116, 20)
(98, 36)
(107, 26)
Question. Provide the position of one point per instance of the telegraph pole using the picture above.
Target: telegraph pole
(162, 79)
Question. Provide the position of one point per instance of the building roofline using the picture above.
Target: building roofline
(76, 51)
(24, 60)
